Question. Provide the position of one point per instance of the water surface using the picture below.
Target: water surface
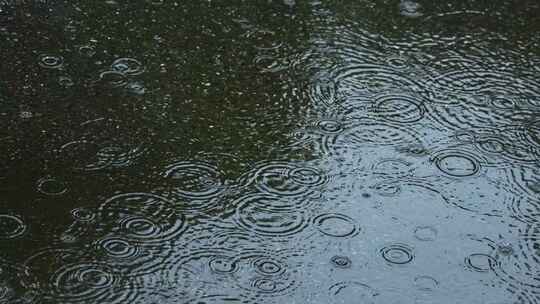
(269, 151)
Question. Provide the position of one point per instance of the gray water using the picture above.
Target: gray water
(269, 151)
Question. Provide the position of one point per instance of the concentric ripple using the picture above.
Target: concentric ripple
(268, 273)
(51, 186)
(51, 61)
(399, 108)
(194, 180)
(83, 214)
(127, 257)
(480, 262)
(397, 254)
(336, 225)
(286, 179)
(113, 78)
(11, 226)
(142, 218)
(457, 163)
(341, 261)
(87, 282)
(270, 216)
(377, 133)
(67, 276)
(519, 267)
(128, 66)
(223, 265)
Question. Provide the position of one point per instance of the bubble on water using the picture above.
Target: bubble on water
(51, 61)
(397, 254)
(11, 226)
(425, 233)
(128, 66)
(336, 225)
